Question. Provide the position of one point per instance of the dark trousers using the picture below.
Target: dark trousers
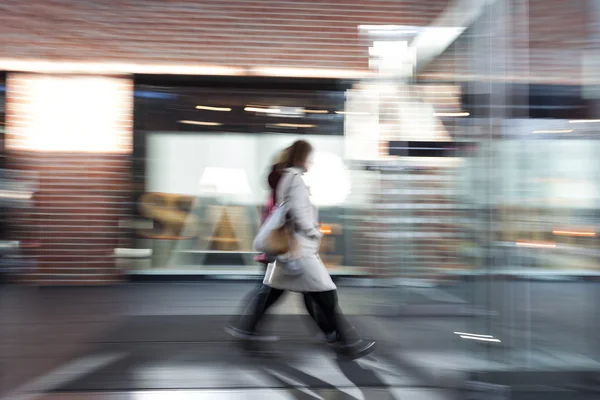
(314, 310)
(322, 307)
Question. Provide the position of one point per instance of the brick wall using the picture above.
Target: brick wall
(306, 34)
(269, 33)
(76, 143)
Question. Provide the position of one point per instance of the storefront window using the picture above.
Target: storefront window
(202, 157)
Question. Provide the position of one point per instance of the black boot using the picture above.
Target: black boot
(357, 349)
(352, 346)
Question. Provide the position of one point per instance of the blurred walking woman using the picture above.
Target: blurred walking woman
(302, 270)
(329, 334)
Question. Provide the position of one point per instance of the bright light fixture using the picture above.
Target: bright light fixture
(307, 111)
(452, 114)
(574, 233)
(88, 114)
(329, 179)
(209, 108)
(583, 121)
(202, 123)
(263, 110)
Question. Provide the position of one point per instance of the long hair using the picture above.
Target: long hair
(297, 154)
(282, 158)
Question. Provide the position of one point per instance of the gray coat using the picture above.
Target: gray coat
(305, 220)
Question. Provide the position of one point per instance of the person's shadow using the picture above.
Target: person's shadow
(303, 386)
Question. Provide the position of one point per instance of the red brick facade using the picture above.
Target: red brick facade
(83, 185)
(306, 34)
(289, 33)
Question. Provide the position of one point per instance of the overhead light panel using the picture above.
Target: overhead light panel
(209, 108)
(202, 123)
(308, 111)
(452, 114)
(262, 110)
(574, 233)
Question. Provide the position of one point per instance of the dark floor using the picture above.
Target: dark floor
(165, 341)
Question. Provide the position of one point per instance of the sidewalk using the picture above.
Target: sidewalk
(164, 336)
(145, 337)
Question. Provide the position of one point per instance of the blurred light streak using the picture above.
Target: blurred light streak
(43, 66)
(534, 244)
(313, 111)
(209, 108)
(7, 194)
(554, 131)
(583, 121)
(452, 114)
(107, 68)
(203, 123)
(472, 334)
(574, 233)
(310, 73)
(263, 110)
(482, 339)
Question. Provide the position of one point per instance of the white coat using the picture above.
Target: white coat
(305, 220)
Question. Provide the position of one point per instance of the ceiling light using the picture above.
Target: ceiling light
(313, 111)
(263, 110)
(555, 131)
(574, 233)
(208, 108)
(295, 125)
(583, 121)
(203, 123)
(452, 114)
